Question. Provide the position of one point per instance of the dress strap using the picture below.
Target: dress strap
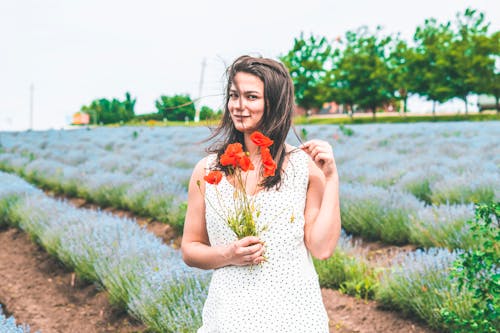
(298, 167)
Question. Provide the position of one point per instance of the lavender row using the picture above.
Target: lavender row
(439, 163)
(384, 170)
(141, 274)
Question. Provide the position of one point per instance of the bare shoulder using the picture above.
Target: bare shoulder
(204, 164)
(199, 172)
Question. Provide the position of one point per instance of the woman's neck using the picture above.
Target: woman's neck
(251, 147)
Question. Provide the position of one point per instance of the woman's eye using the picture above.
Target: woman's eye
(252, 97)
(233, 95)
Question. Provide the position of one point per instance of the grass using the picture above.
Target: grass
(350, 274)
(346, 120)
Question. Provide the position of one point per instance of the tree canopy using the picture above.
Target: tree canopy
(368, 71)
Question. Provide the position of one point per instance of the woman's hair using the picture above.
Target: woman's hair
(278, 111)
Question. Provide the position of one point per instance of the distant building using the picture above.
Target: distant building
(81, 118)
(485, 102)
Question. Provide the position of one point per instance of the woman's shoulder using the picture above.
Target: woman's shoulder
(206, 163)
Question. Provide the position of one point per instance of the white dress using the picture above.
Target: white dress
(282, 294)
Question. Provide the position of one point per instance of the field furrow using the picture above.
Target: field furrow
(38, 290)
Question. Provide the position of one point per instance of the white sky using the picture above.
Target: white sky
(77, 51)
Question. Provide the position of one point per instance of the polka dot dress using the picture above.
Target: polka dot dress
(282, 294)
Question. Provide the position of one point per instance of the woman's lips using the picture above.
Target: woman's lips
(240, 117)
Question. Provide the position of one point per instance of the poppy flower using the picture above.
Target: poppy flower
(232, 154)
(244, 163)
(268, 162)
(260, 139)
(213, 177)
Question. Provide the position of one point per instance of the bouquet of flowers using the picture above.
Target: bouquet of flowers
(242, 219)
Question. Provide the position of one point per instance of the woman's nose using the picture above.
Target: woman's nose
(240, 104)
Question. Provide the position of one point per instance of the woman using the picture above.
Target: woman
(266, 283)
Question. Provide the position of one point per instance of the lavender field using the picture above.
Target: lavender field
(400, 184)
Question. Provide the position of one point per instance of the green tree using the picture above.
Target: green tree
(176, 107)
(401, 77)
(208, 113)
(470, 57)
(110, 111)
(129, 105)
(308, 62)
(361, 71)
(429, 66)
(490, 82)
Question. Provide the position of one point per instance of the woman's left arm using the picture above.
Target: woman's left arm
(322, 210)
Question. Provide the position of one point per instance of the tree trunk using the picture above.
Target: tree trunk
(498, 106)
(466, 107)
(405, 105)
(434, 109)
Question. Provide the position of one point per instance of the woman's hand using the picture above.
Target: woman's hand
(246, 251)
(321, 153)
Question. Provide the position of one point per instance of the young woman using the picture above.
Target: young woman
(266, 283)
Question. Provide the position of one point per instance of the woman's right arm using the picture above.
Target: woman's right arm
(195, 246)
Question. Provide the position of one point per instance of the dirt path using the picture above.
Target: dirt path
(38, 291)
(350, 315)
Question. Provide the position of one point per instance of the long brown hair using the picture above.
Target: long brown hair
(278, 111)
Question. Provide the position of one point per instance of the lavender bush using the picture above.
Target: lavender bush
(128, 261)
(418, 283)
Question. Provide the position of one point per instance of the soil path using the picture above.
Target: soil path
(38, 291)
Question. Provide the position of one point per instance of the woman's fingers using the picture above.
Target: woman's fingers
(248, 251)
(246, 241)
(321, 153)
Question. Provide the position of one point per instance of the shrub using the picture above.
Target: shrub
(350, 274)
(443, 226)
(478, 272)
(376, 213)
(419, 285)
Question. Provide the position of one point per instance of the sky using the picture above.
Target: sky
(56, 56)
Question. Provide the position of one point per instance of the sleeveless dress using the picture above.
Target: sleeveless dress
(282, 294)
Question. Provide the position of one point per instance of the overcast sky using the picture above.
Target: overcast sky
(75, 51)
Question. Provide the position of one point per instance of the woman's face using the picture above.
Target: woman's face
(246, 102)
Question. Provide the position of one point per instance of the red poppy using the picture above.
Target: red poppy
(268, 162)
(269, 170)
(244, 163)
(232, 154)
(236, 157)
(260, 139)
(213, 177)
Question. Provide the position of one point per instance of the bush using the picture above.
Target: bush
(478, 272)
(419, 285)
(350, 274)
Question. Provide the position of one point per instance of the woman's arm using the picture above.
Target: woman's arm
(322, 211)
(195, 246)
